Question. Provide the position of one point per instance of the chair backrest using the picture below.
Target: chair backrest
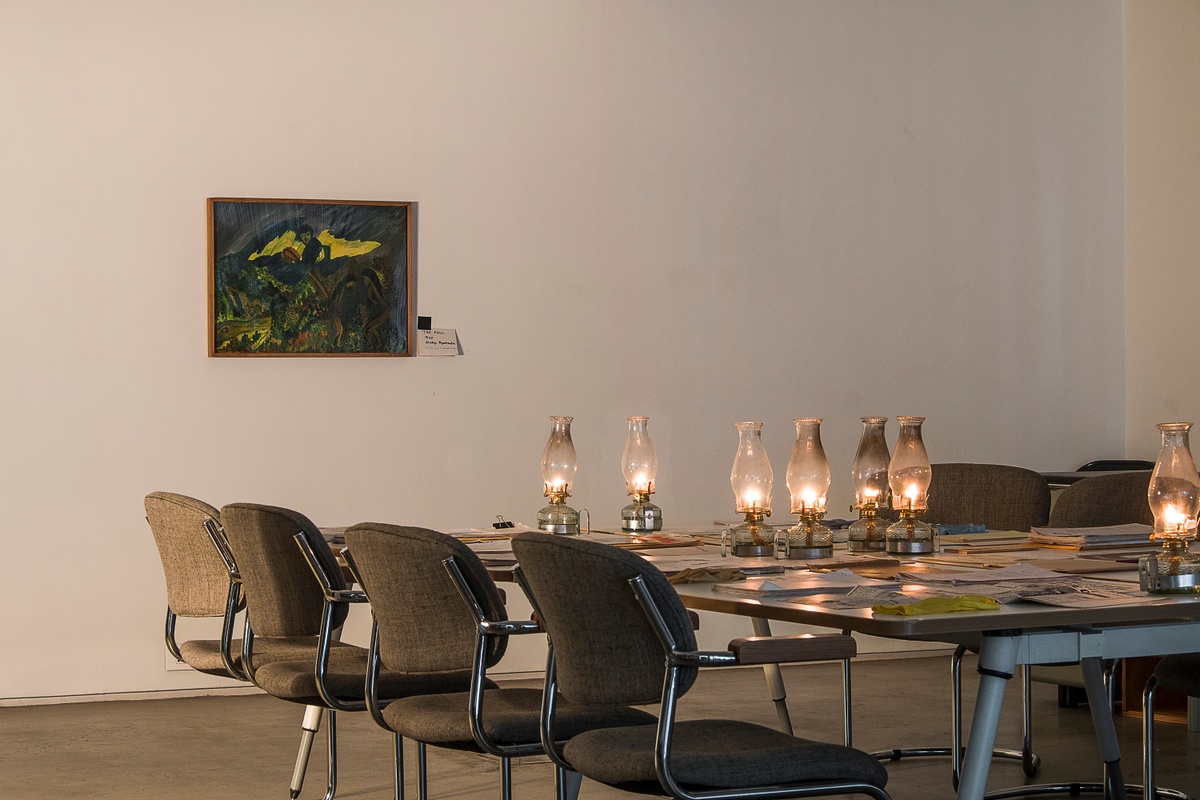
(425, 624)
(605, 649)
(1116, 465)
(197, 578)
(1113, 499)
(283, 597)
(1001, 497)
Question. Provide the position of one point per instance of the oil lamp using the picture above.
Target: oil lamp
(908, 477)
(1174, 497)
(752, 480)
(558, 473)
(808, 481)
(639, 464)
(870, 475)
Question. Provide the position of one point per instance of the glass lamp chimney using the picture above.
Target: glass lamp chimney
(639, 464)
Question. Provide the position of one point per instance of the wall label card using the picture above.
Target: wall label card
(437, 342)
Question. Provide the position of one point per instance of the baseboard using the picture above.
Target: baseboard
(164, 694)
(168, 694)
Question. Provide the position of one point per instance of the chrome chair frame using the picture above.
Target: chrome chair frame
(313, 714)
(484, 629)
(1148, 784)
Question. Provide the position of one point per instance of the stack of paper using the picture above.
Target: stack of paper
(1129, 535)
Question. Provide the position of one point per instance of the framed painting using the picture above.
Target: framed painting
(310, 278)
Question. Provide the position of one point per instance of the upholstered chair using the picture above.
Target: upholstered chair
(620, 635)
(1114, 499)
(1177, 673)
(436, 609)
(296, 602)
(1001, 497)
(199, 584)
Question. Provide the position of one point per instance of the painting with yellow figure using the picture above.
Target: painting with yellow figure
(338, 248)
(310, 277)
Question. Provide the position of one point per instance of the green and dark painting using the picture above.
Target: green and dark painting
(310, 278)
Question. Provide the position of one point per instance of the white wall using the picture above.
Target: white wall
(1162, 224)
(700, 211)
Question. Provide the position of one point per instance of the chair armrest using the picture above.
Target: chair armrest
(790, 649)
(510, 627)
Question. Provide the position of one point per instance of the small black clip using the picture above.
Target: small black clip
(502, 523)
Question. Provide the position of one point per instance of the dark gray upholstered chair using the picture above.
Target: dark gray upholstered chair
(620, 635)
(1113, 499)
(1177, 673)
(437, 610)
(1001, 497)
(199, 585)
(1004, 498)
(296, 602)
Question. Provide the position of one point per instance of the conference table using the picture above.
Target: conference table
(1017, 633)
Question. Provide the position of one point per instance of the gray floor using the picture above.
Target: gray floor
(243, 746)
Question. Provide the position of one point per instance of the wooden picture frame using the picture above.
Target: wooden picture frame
(310, 277)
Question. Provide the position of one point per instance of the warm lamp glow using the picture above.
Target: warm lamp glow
(558, 472)
(639, 465)
(1174, 498)
(752, 480)
(639, 462)
(870, 476)
(908, 476)
(752, 477)
(808, 479)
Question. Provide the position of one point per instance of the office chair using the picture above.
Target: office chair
(199, 585)
(1101, 500)
(436, 610)
(1177, 673)
(296, 602)
(619, 634)
(1003, 498)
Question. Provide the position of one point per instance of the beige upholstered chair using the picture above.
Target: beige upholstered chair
(296, 602)
(436, 611)
(199, 584)
(620, 635)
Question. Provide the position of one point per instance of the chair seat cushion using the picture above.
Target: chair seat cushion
(204, 655)
(1180, 673)
(510, 717)
(346, 678)
(719, 753)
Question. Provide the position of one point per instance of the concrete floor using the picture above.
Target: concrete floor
(243, 746)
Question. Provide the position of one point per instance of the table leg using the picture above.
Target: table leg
(774, 676)
(997, 660)
(1106, 734)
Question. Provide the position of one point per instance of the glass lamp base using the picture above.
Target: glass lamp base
(867, 534)
(1173, 571)
(752, 539)
(909, 536)
(558, 518)
(808, 540)
(641, 517)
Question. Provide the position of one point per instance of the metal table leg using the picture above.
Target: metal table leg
(774, 676)
(997, 661)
